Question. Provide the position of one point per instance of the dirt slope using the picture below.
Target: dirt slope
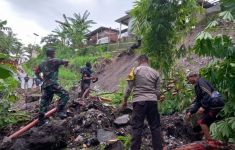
(111, 72)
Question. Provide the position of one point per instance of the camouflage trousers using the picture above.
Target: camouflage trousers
(47, 96)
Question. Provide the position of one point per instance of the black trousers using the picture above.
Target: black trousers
(84, 86)
(142, 110)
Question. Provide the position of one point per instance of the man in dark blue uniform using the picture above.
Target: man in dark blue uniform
(86, 77)
(208, 102)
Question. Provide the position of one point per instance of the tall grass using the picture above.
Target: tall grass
(77, 58)
(77, 62)
(68, 78)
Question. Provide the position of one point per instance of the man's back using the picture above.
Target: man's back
(86, 72)
(146, 84)
(50, 69)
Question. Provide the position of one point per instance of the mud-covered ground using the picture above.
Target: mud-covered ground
(96, 125)
(92, 124)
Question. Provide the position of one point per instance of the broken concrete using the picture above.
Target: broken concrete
(105, 136)
(122, 120)
(93, 125)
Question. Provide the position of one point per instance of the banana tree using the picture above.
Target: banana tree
(73, 29)
(7, 67)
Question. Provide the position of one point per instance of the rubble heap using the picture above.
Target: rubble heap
(95, 125)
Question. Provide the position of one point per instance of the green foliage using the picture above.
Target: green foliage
(177, 93)
(161, 31)
(5, 72)
(221, 72)
(73, 29)
(222, 75)
(68, 78)
(219, 46)
(224, 130)
(117, 97)
(126, 140)
(8, 95)
(228, 5)
(9, 44)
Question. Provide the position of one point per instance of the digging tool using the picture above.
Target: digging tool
(30, 125)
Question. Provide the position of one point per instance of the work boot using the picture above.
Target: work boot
(60, 112)
(62, 115)
(42, 120)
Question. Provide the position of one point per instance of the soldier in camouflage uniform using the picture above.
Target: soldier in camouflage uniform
(49, 68)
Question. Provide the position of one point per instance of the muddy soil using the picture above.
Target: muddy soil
(110, 72)
(91, 125)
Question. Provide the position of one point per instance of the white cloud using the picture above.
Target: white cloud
(24, 28)
(28, 16)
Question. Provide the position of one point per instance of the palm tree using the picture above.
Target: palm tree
(74, 28)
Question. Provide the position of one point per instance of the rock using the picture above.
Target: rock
(20, 144)
(104, 135)
(79, 139)
(93, 142)
(5, 143)
(6, 140)
(51, 136)
(122, 120)
(32, 98)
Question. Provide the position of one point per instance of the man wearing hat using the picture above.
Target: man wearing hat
(50, 68)
(207, 103)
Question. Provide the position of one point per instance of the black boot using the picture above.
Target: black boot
(60, 112)
(41, 120)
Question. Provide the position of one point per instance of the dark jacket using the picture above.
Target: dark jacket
(204, 90)
(86, 72)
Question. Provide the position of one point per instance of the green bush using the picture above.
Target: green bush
(221, 71)
(118, 96)
(126, 140)
(8, 97)
(224, 130)
(67, 78)
(178, 93)
(77, 62)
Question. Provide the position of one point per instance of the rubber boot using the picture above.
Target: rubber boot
(41, 120)
(60, 112)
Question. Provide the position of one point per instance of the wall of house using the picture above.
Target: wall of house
(113, 36)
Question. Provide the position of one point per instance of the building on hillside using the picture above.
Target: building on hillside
(125, 21)
(102, 35)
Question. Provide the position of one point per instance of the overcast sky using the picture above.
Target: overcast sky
(26, 17)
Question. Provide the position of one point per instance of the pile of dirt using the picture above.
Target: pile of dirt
(52, 136)
(93, 124)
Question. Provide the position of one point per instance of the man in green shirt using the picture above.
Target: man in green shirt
(50, 68)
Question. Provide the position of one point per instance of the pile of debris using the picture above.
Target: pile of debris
(95, 125)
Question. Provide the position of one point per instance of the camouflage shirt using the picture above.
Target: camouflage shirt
(50, 69)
